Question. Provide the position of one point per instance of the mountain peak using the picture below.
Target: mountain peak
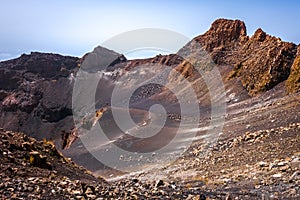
(100, 58)
(259, 35)
(222, 33)
(234, 28)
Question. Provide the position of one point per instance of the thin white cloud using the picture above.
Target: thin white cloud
(5, 56)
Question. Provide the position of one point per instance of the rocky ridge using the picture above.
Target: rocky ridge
(260, 61)
(36, 93)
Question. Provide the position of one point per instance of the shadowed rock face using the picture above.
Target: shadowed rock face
(36, 93)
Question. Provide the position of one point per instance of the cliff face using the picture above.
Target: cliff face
(293, 82)
(260, 61)
(223, 39)
(36, 93)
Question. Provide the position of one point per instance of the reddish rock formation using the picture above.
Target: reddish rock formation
(261, 61)
(223, 39)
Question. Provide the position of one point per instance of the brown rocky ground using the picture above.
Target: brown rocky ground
(244, 167)
(32, 169)
(256, 156)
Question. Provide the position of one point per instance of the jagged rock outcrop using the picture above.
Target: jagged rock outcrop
(261, 61)
(223, 39)
(293, 82)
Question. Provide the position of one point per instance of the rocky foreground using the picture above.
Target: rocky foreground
(245, 167)
(33, 169)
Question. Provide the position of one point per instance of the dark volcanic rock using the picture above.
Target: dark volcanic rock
(36, 90)
(3, 94)
(8, 79)
(56, 103)
(24, 102)
(46, 65)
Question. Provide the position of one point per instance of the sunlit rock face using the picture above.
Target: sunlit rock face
(260, 61)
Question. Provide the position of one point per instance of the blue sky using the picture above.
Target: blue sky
(76, 27)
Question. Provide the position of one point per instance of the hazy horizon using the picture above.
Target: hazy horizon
(75, 27)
